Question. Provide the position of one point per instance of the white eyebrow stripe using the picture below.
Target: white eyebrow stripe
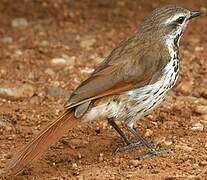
(173, 18)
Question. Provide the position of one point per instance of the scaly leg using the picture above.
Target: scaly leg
(129, 144)
(152, 150)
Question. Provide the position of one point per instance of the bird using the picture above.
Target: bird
(130, 82)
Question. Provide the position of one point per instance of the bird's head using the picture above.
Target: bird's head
(168, 22)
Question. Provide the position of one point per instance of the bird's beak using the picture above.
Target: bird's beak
(194, 14)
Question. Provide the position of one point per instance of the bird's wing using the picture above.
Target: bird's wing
(131, 65)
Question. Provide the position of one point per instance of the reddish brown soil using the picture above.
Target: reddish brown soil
(58, 27)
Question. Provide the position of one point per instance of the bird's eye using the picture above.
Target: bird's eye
(180, 20)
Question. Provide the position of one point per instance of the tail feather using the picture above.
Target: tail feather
(36, 148)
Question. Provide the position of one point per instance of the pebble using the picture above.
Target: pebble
(19, 23)
(58, 61)
(70, 60)
(31, 76)
(117, 160)
(34, 100)
(199, 48)
(50, 72)
(78, 143)
(87, 70)
(203, 9)
(6, 40)
(80, 178)
(24, 91)
(197, 127)
(185, 87)
(65, 60)
(203, 163)
(170, 124)
(101, 157)
(87, 43)
(184, 147)
(201, 109)
(193, 177)
(135, 163)
(5, 126)
(148, 133)
(79, 156)
(74, 166)
(168, 142)
(104, 124)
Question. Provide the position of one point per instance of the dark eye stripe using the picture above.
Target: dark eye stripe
(180, 20)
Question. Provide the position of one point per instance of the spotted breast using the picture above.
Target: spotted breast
(134, 104)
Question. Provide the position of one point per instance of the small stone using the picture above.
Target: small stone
(8, 128)
(65, 60)
(135, 163)
(117, 160)
(148, 132)
(70, 60)
(87, 43)
(201, 109)
(24, 91)
(8, 156)
(80, 178)
(203, 163)
(19, 23)
(44, 43)
(101, 157)
(170, 124)
(168, 143)
(105, 124)
(79, 156)
(78, 143)
(184, 147)
(199, 48)
(58, 61)
(34, 100)
(193, 177)
(204, 9)
(31, 76)
(3, 71)
(197, 127)
(50, 72)
(98, 130)
(6, 40)
(74, 166)
(87, 70)
(185, 87)
(19, 53)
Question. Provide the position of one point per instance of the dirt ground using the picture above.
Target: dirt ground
(53, 47)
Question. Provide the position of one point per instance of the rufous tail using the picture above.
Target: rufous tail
(36, 148)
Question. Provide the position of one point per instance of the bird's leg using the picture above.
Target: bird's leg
(152, 149)
(129, 144)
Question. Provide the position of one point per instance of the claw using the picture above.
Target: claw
(127, 147)
(153, 152)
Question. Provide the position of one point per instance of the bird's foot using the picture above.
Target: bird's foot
(131, 145)
(153, 152)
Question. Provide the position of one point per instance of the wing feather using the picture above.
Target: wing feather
(131, 65)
